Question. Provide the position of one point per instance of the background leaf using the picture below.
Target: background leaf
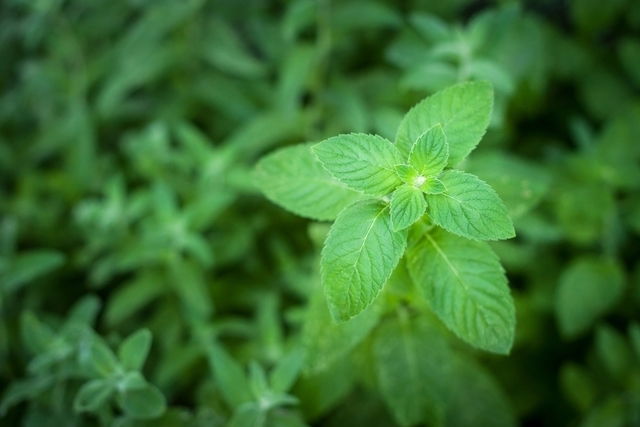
(588, 288)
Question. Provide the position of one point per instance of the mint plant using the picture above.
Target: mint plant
(407, 201)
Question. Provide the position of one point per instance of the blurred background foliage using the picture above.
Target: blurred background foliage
(130, 225)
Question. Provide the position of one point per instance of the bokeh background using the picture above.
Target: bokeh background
(128, 133)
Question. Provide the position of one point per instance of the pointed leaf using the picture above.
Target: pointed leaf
(359, 255)
(463, 111)
(588, 288)
(407, 206)
(363, 162)
(293, 178)
(134, 350)
(92, 396)
(229, 376)
(470, 208)
(465, 286)
(430, 153)
(143, 402)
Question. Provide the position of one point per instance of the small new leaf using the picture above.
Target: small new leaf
(470, 208)
(433, 185)
(430, 152)
(363, 162)
(407, 206)
(359, 255)
(407, 173)
(465, 286)
(463, 110)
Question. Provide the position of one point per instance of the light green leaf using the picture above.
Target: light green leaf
(92, 396)
(430, 152)
(407, 173)
(363, 162)
(293, 178)
(588, 288)
(470, 208)
(407, 206)
(359, 255)
(143, 402)
(134, 350)
(463, 111)
(433, 185)
(465, 286)
(407, 360)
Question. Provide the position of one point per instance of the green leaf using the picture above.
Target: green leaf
(363, 162)
(134, 350)
(614, 352)
(293, 178)
(465, 286)
(229, 376)
(433, 185)
(143, 402)
(610, 412)
(578, 386)
(407, 359)
(430, 152)
(248, 415)
(588, 288)
(100, 359)
(474, 397)
(359, 255)
(463, 111)
(407, 173)
(470, 208)
(28, 266)
(189, 283)
(519, 183)
(22, 390)
(92, 396)
(287, 370)
(407, 206)
(328, 342)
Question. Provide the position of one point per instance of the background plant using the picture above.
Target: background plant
(128, 136)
